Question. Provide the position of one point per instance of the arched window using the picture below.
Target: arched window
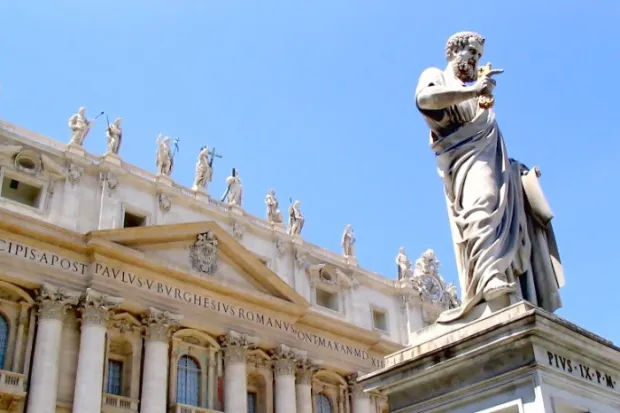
(323, 405)
(4, 339)
(188, 382)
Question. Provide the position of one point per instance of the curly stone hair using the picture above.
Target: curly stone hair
(458, 41)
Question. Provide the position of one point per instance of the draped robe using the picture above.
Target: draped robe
(500, 222)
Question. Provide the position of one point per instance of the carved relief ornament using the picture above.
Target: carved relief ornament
(164, 201)
(203, 253)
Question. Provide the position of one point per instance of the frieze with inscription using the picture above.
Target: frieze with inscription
(581, 370)
(25, 252)
(41, 257)
(234, 311)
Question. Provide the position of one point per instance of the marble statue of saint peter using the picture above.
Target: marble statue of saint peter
(500, 221)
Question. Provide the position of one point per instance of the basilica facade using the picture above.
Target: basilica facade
(124, 291)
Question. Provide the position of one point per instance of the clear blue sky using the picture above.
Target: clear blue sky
(315, 99)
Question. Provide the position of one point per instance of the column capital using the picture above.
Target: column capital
(285, 359)
(356, 389)
(235, 345)
(53, 302)
(158, 324)
(306, 369)
(95, 307)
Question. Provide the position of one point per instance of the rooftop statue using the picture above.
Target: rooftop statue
(114, 134)
(80, 126)
(273, 213)
(204, 170)
(501, 223)
(348, 242)
(295, 219)
(165, 156)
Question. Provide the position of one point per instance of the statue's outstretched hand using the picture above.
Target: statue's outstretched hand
(485, 84)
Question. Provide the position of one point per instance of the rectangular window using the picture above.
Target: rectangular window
(18, 190)
(252, 399)
(327, 299)
(131, 220)
(115, 377)
(379, 320)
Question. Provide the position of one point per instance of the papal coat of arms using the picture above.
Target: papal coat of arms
(203, 254)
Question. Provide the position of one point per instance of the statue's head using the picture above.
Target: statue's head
(463, 51)
(272, 192)
(118, 121)
(82, 110)
(348, 228)
(296, 204)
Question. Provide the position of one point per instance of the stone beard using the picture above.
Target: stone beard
(502, 234)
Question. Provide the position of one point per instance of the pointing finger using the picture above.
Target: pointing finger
(494, 72)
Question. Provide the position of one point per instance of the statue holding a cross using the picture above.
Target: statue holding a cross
(204, 168)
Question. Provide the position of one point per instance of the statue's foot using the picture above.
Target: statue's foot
(496, 288)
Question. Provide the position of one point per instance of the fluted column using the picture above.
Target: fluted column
(235, 346)
(52, 304)
(359, 399)
(285, 361)
(95, 310)
(303, 387)
(158, 326)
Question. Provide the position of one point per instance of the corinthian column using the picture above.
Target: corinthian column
(52, 304)
(359, 399)
(285, 361)
(235, 346)
(95, 309)
(303, 388)
(158, 326)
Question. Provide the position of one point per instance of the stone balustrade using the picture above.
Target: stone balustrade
(11, 383)
(183, 408)
(112, 403)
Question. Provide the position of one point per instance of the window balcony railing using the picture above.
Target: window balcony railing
(183, 408)
(112, 403)
(12, 383)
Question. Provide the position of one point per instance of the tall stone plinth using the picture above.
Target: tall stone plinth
(519, 359)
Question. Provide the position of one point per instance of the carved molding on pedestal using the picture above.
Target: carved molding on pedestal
(53, 302)
(164, 202)
(159, 325)
(96, 307)
(74, 174)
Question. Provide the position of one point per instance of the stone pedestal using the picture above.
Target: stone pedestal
(201, 194)
(112, 158)
(76, 149)
(517, 359)
(164, 180)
